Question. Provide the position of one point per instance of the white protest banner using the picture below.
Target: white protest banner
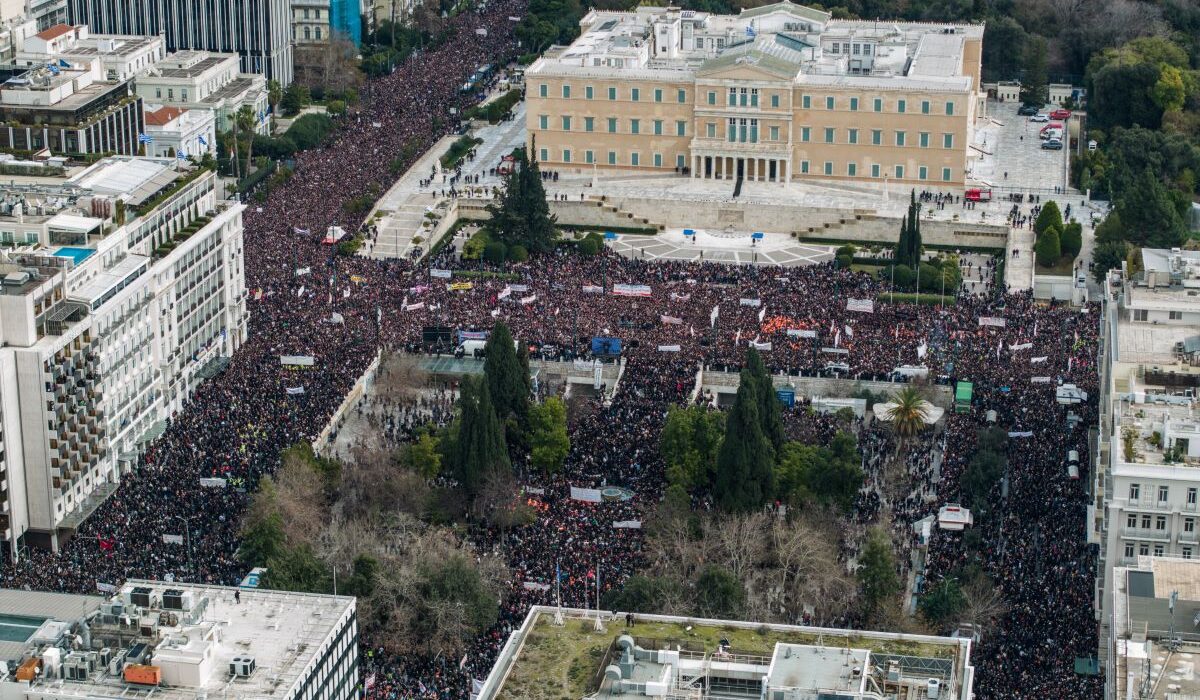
(294, 390)
(864, 305)
(801, 333)
(628, 524)
(669, 348)
(592, 289)
(1040, 380)
(535, 491)
(440, 274)
(762, 313)
(300, 231)
(631, 290)
(1020, 346)
(589, 495)
(414, 307)
(1024, 434)
(535, 586)
(992, 321)
(172, 539)
(1036, 360)
(680, 297)
(519, 287)
(849, 332)
(213, 482)
(529, 299)
(505, 293)
(672, 320)
(712, 316)
(760, 346)
(750, 302)
(301, 271)
(300, 291)
(922, 349)
(297, 360)
(106, 587)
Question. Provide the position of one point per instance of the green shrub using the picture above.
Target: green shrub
(1048, 247)
(847, 250)
(495, 252)
(458, 150)
(907, 298)
(1071, 240)
(903, 276)
(591, 244)
(518, 253)
(844, 261)
(310, 130)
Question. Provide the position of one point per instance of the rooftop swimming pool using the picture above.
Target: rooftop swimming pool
(77, 255)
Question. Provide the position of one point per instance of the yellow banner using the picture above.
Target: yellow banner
(459, 286)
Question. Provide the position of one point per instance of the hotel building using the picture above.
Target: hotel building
(776, 93)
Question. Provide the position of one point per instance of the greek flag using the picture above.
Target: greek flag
(203, 141)
(262, 117)
(750, 32)
(143, 138)
(181, 155)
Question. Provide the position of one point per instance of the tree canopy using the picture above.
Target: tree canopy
(746, 460)
(521, 215)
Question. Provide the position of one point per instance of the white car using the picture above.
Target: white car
(1040, 118)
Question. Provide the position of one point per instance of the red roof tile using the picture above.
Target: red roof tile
(163, 116)
(55, 31)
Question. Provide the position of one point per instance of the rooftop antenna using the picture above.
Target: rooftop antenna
(558, 616)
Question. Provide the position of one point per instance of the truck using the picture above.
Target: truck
(475, 347)
(978, 194)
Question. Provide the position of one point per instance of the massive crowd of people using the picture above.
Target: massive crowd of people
(686, 315)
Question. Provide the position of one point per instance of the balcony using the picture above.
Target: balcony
(1146, 533)
(707, 146)
(1190, 537)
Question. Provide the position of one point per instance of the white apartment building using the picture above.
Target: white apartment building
(192, 132)
(310, 22)
(203, 80)
(1147, 482)
(13, 33)
(179, 641)
(121, 57)
(123, 288)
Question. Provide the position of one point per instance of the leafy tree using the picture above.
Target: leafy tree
(1072, 239)
(943, 603)
(521, 214)
(768, 403)
(591, 244)
(518, 253)
(745, 462)
(510, 387)
(1169, 92)
(363, 577)
(423, 455)
(1149, 214)
(642, 594)
(1035, 80)
(495, 252)
(336, 107)
(877, 570)
(793, 474)
(479, 447)
(815, 474)
(983, 472)
(1050, 215)
(295, 97)
(453, 583)
(1108, 255)
(1048, 248)
(298, 569)
(718, 593)
(548, 435)
(1121, 96)
(689, 443)
(1004, 41)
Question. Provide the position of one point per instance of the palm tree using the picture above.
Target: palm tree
(910, 413)
(274, 94)
(244, 119)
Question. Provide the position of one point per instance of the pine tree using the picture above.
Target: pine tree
(521, 216)
(479, 450)
(746, 460)
(768, 403)
(908, 248)
(507, 380)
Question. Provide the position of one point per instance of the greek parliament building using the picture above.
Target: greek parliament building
(776, 93)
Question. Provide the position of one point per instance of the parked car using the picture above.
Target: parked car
(1061, 114)
(1052, 134)
(1027, 110)
(1040, 118)
(1052, 145)
(1052, 126)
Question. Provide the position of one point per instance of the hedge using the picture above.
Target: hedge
(633, 230)
(910, 298)
(458, 150)
(487, 274)
(497, 109)
(927, 246)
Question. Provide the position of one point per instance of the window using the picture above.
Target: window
(922, 173)
(949, 109)
(681, 97)
(183, 91)
(923, 137)
(1159, 550)
(828, 167)
(612, 94)
(171, 94)
(635, 94)
(875, 170)
(924, 106)
(589, 157)
(1191, 496)
(710, 130)
(680, 162)
(658, 160)
(852, 169)
(699, 42)
(720, 42)
(635, 126)
(945, 174)
(804, 167)
(1189, 524)
(806, 102)
(658, 127)
(612, 157)
(543, 90)
(712, 98)
(589, 123)
(852, 136)
(829, 135)
(731, 131)
(566, 155)
(1140, 314)
(588, 92)
(829, 103)
(158, 93)
(753, 131)
(774, 133)
(1186, 552)
(634, 158)
(805, 132)
(681, 128)
(612, 125)
(899, 172)
(544, 155)
(658, 94)
(1171, 315)
(900, 135)
(1135, 492)
(732, 97)
(1131, 520)
(876, 137)
(1160, 523)
(901, 105)
(775, 100)
(1144, 549)
(853, 104)
(1129, 551)
(308, 32)
(566, 123)
(566, 92)
(305, 14)
(878, 104)
(947, 140)
(1145, 522)
(833, 48)
(753, 97)
(1163, 493)
(543, 121)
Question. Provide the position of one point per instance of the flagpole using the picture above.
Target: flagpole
(599, 624)
(558, 616)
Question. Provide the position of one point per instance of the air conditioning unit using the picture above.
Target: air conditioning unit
(141, 595)
(117, 664)
(241, 666)
(172, 599)
(105, 655)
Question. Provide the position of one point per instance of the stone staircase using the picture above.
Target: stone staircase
(611, 211)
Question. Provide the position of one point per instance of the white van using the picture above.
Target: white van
(1073, 464)
(474, 348)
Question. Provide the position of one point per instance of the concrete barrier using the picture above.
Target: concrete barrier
(721, 382)
(356, 392)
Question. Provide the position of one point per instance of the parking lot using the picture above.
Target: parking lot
(1011, 157)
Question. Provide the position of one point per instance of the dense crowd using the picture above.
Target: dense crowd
(689, 314)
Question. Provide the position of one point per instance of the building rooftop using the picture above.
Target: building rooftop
(189, 632)
(22, 614)
(1156, 648)
(1154, 421)
(189, 64)
(673, 656)
(135, 179)
(54, 32)
(163, 115)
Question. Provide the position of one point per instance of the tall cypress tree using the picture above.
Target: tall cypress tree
(746, 461)
(908, 248)
(507, 380)
(479, 450)
(768, 404)
(521, 215)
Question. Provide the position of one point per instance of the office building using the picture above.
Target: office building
(259, 31)
(676, 657)
(776, 93)
(207, 81)
(69, 110)
(180, 132)
(1155, 622)
(121, 57)
(179, 641)
(48, 13)
(122, 289)
(1147, 483)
